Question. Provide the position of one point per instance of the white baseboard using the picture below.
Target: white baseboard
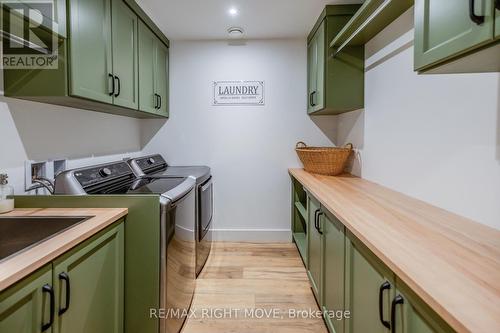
(252, 235)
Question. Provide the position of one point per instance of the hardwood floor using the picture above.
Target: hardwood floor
(259, 286)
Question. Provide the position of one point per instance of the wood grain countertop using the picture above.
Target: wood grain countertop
(14, 268)
(452, 263)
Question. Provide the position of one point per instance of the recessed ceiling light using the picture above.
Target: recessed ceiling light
(235, 32)
(233, 11)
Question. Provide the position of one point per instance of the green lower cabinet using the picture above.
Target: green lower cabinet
(333, 272)
(447, 28)
(366, 280)
(25, 307)
(410, 315)
(315, 243)
(299, 218)
(89, 285)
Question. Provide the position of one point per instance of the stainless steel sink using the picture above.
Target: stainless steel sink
(20, 233)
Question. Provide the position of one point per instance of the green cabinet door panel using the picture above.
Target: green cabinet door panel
(147, 58)
(90, 49)
(318, 98)
(497, 19)
(314, 249)
(364, 278)
(125, 62)
(95, 272)
(333, 271)
(408, 320)
(444, 29)
(24, 307)
(311, 73)
(161, 82)
(412, 315)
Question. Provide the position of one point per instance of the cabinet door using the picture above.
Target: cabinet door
(92, 273)
(333, 271)
(364, 281)
(411, 315)
(311, 73)
(497, 19)
(319, 93)
(161, 81)
(90, 49)
(314, 249)
(125, 62)
(25, 307)
(444, 28)
(147, 58)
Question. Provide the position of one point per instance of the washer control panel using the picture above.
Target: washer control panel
(150, 162)
(94, 175)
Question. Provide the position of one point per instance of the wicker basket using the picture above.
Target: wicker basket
(329, 161)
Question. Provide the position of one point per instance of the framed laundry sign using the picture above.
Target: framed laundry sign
(239, 92)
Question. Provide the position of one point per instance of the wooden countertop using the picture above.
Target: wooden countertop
(451, 262)
(15, 268)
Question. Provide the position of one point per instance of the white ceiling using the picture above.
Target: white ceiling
(261, 19)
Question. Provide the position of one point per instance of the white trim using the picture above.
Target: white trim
(252, 235)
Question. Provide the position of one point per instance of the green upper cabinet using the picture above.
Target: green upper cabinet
(89, 284)
(333, 270)
(104, 64)
(316, 49)
(125, 62)
(445, 29)
(147, 56)
(335, 80)
(312, 72)
(497, 19)
(99, 62)
(314, 247)
(90, 50)
(153, 72)
(161, 82)
(25, 307)
(367, 282)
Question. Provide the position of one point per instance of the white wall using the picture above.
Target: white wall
(434, 137)
(248, 148)
(36, 131)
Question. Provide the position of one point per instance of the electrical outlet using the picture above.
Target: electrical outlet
(34, 169)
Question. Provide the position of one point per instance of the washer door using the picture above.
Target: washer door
(178, 280)
(206, 209)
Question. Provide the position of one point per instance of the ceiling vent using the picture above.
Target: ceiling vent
(235, 32)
